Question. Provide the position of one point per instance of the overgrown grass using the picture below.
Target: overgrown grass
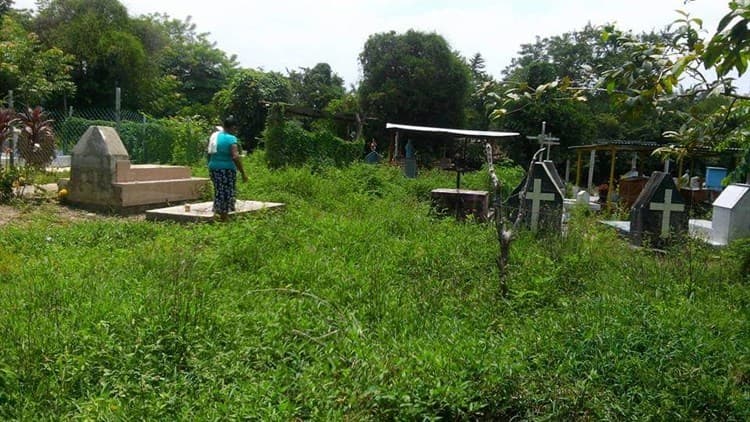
(356, 304)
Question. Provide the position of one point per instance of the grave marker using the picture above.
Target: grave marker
(658, 212)
(544, 198)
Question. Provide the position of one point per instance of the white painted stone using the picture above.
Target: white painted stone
(731, 214)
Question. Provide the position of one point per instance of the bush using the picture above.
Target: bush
(288, 144)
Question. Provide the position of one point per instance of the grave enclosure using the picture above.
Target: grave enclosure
(103, 179)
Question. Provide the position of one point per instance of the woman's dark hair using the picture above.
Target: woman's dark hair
(230, 122)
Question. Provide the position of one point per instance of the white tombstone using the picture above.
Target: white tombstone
(583, 197)
(731, 214)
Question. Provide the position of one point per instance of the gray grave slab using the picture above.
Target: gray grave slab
(658, 213)
(621, 226)
(203, 211)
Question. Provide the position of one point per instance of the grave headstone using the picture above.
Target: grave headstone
(731, 214)
(94, 167)
(544, 198)
(658, 213)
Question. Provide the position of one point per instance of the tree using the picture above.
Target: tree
(35, 74)
(108, 53)
(658, 73)
(244, 98)
(187, 60)
(477, 113)
(413, 78)
(316, 87)
(5, 6)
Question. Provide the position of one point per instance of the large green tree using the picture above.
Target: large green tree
(246, 99)
(413, 78)
(695, 68)
(108, 54)
(197, 68)
(316, 87)
(34, 73)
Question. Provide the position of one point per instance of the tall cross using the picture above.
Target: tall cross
(545, 140)
(667, 207)
(537, 196)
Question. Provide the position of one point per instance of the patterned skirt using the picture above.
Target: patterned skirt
(224, 181)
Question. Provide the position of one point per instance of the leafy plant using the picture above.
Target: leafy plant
(37, 141)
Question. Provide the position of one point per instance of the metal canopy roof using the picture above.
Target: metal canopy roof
(448, 131)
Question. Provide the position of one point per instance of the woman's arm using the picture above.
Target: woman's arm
(238, 161)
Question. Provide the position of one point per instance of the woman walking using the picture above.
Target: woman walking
(223, 166)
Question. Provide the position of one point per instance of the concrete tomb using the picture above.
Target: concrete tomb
(658, 212)
(102, 177)
(730, 218)
(544, 198)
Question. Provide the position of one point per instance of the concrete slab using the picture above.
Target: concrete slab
(203, 211)
(621, 226)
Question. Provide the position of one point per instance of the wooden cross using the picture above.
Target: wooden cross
(537, 196)
(545, 140)
(667, 207)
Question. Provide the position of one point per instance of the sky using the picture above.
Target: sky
(281, 35)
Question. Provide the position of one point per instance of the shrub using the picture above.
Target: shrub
(37, 141)
(287, 143)
(174, 140)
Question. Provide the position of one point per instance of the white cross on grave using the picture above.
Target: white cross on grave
(536, 197)
(667, 207)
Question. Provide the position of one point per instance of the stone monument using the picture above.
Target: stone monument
(102, 177)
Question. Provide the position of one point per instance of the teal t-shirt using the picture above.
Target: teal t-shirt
(222, 159)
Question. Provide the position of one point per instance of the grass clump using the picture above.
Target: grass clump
(357, 303)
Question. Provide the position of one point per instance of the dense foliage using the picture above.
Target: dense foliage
(172, 140)
(354, 303)
(33, 72)
(246, 98)
(287, 143)
(413, 78)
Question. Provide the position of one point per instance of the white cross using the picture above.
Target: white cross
(536, 197)
(666, 208)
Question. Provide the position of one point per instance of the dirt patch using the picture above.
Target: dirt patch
(23, 212)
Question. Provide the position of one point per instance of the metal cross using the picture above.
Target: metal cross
(536, 197)
(545, 140)
(666, 208)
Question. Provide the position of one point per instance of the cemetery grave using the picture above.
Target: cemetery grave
(102, 177)
(730, 217)
(658, 214)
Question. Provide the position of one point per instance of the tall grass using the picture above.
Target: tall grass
(355, 303)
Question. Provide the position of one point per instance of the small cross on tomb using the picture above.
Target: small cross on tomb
(545, 140)
(537, 196)
(667, 207)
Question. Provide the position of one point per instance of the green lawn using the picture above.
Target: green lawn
(355, 303)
